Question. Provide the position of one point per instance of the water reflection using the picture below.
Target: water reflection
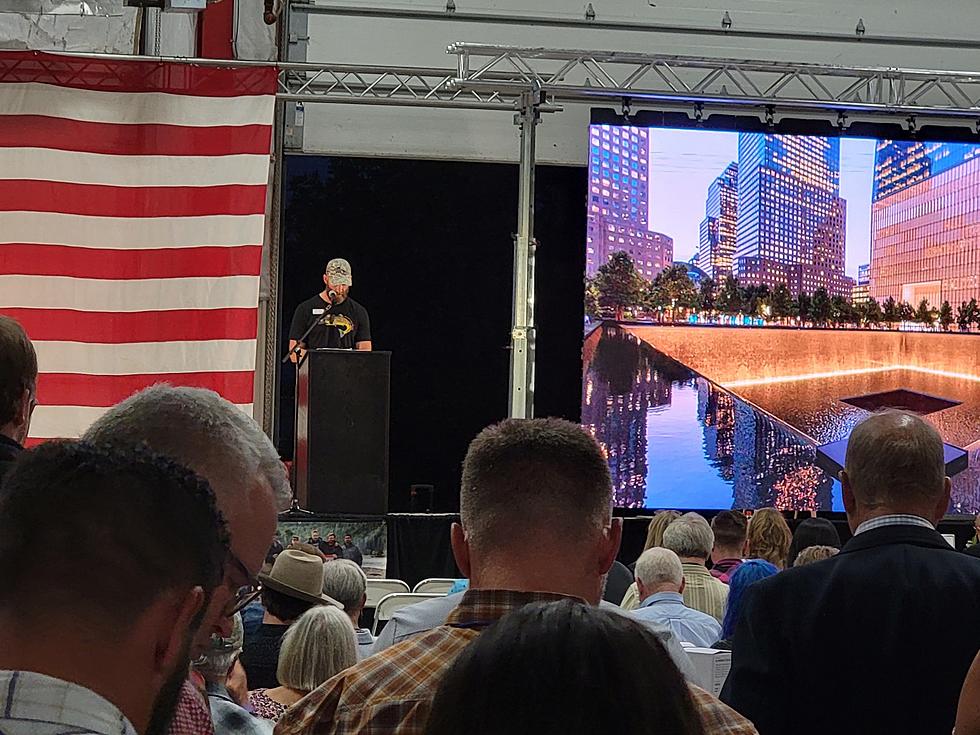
(674, 439)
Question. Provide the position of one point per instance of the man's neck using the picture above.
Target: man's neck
(269, 619)
(560, 581)
(722, 554)
(355, 618)
(693, 560)
(648, 592)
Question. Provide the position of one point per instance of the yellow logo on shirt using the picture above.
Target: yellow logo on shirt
(343, 323)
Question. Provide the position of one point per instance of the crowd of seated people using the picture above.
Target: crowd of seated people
(110, 629)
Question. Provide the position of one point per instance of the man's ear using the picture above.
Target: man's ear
(943, 505)
(177, 630)
(611, 538)
(850, 503)
(461, 549)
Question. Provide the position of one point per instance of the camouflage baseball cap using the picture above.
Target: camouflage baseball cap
(338, 270)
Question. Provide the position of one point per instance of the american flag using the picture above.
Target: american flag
(132, 213)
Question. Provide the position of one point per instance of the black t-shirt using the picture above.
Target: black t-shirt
(347, 325)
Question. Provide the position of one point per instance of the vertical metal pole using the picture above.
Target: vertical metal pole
(522, 331)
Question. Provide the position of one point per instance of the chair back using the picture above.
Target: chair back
(389, 604)
(378, 588)
(438, 585)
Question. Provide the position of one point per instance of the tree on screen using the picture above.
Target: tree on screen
(841, 311)
(782, 302)
(945, 316)
(872, 312)
(730, 299)
(672, 290)
(707, 296)
(890, 311)
(821, 307)
(804, 307)
(905, 311)
(591, 298)
(619, 283)
(923, 314)
(963, 316)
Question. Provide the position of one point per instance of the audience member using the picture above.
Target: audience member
(346, 582)
(316, 647)
(274, 550)
(331, 549)
(18, 388)
(769, 537)
(618, 583)
(294, 585)
(562, 649)
(968, 709)
(541, 479)
(972, 546)
(660, 578)
(812, 532)
(749, 572)
(690, 537)
(351, 552)
(814, 553)
(314, 539)
(655, 536)
(873, 619)
(219, 666)
(96, 624)
(216, 439)
(730, 529)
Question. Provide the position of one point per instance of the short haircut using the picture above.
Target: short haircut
(563, 650)
(769, 536)
(814, 553)
(140, 525)
(222, 653)
(690, 536)
(656, 566)
(729, 528)
(283, 606)
(202, 430)
(345, 582)
(18, 367)
(525, 477)
(658, 524)
(812, 532)
(893, 458)
(319, 645)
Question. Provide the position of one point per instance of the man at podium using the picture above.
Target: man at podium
(340, 322)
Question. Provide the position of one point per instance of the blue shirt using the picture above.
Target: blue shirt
(688, 624)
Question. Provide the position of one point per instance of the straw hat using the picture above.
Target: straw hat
(299, 575)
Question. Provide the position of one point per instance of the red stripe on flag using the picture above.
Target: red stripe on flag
(64, 389)
(40, 131)
(113, 264)
(123, 75)
(120, 201)
(118, 327)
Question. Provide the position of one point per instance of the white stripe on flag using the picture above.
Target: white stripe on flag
(147, 294)
(138, 358)
(68, 422)
(46, 164)
(50, 228)
(89, 105)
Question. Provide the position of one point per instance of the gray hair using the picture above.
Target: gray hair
(318, 645)
(814, 553)
(659, 565)
(203, 431)
(531, 477)
(690, 536)
(345, 582)
(222, 653)
(895, 458)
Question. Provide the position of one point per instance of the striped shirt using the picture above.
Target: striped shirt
(391, 692)
(42, 705)
(895, 519)
(703, 592)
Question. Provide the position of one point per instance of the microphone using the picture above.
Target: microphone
(331, 294)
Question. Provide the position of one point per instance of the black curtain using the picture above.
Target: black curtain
(432, 257)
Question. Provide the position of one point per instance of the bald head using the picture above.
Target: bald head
(895, 463)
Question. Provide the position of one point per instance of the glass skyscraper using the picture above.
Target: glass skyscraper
(619, 202)
(717, 245)
(791, 218)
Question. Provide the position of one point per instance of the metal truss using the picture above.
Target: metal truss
(651, 79)
(400, 86)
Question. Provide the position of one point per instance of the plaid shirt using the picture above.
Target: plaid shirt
(42, 705)
(391, 693)
(192, 715)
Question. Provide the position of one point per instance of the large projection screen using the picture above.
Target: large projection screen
(750, 296)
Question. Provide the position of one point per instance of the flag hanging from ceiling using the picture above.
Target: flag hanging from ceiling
(132, 213)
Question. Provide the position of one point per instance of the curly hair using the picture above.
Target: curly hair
(769, 537)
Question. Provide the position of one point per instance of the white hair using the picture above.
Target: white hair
(318, 645)
(222, 653)
(345, 582)
(658, 565)
(690, 536)
(203, 431)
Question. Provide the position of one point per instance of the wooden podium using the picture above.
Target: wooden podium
(341, 460)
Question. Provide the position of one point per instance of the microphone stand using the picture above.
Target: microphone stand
(299, 343)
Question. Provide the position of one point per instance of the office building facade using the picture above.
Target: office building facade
(718, 228)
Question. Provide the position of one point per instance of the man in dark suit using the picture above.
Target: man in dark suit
(877, 639)
(18, 380)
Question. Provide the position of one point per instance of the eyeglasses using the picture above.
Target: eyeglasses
(247, 592)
